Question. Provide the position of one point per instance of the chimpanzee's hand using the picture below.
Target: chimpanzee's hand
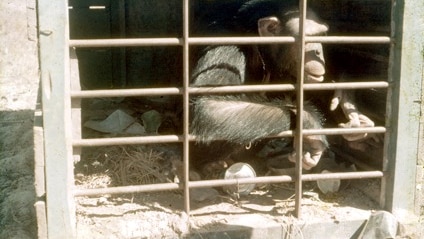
(314, 147)
(345, 100)
(357, 120)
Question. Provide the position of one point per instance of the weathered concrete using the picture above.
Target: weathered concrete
(18, 55)
(19, 82)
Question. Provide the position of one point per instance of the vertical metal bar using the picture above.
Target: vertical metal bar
(56, 100)
(405, 76)
(186, 79)
(299, 104)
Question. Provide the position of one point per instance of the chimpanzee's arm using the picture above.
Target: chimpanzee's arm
(220, 65)
(244, 118)
(238, 118)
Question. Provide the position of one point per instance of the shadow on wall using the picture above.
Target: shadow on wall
(17, 192)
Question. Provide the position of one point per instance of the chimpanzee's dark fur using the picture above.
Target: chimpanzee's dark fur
(240, 119)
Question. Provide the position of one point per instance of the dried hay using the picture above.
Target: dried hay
(128, 165)
(139, 165)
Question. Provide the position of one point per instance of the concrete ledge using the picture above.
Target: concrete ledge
(258, 227)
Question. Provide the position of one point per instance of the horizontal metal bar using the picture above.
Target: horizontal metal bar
(172, 41)
(285, 178)
(241, 88)
(126, 92)
(337, 131)
(348, 175)
(235, 181)
(239, 40)
(226, 182)
(179, 138)
(127, 189)
(126, 42)
(346, 85)
(349, 39)
(225, 89)
(332, 131)
(288, 87)
(273, 40)
(126, 140)
(179, 91)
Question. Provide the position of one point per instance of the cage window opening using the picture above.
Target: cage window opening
(193, 41)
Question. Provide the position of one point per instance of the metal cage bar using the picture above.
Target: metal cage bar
(220, 40)
(298, 134)
(225, 182)
(225, 89)
(95, 142)
(186, 99)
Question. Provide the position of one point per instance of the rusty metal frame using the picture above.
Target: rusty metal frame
(186, 41)
(221, 41)
(58, 96)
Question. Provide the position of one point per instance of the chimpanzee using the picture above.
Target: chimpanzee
(243, 119)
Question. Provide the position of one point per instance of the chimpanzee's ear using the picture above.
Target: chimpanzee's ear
(269, 26)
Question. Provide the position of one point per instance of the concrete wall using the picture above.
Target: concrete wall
(19, 84)
(18, 55)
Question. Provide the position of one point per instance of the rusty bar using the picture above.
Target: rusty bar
(225, 182)
(178, 138)
(348, 39)
(186, 99)
(224, 89)
(337, 131)
(329, 131)
(346, 85)
(126, 140)
(298, 137)
(288, 87)
(126, 189)
(239, 40)
(274, 40)
(332, 131)
(126, 42)
(126, 92)
(348, 175)
(235, 181)
(241, 89)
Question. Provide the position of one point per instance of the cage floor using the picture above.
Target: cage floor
(265, 213)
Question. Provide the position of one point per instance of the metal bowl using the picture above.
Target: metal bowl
(239, 170)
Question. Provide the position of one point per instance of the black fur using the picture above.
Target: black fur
(241, 119)
(250, 12)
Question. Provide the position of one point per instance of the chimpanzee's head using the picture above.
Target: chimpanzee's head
(281, 18)
(287, 24)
